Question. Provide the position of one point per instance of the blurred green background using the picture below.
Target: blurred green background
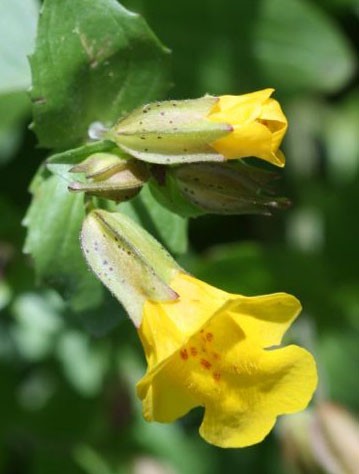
(67, 401)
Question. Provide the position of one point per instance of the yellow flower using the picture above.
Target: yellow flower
(259, 126)
(214, 349)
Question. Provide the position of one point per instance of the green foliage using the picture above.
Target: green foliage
(298, 48)
(17, 25)
(13, 107)
(54, 222)
(75, 155)
(291, 45)
(95, 65)
(166, 226)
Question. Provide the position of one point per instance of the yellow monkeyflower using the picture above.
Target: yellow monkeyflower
(214, 349)
(259, 126)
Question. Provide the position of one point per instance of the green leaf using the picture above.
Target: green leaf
(13, 108)
(298, 47)
(166, 226)
(84, 363)
(38, 324)
(54, 222)
(101, 319)
(90, 461)
(75, 155)
(340, 134)
(338, 352)
(17, 24)
(99, 62)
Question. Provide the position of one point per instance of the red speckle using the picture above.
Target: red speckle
(184, 354)
(206, 364)
(193, 351)
(216, 376)
(216, 356)
(209, 336)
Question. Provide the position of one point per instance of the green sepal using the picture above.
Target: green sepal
(217, 188)
(109, 189)
(228, 188)
(170, 196)
(170, 132)
(128, 260)
(100, 166)
(110, 176)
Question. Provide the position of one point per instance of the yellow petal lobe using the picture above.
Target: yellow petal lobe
(258, 124)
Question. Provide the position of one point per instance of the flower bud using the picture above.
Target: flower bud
(128, 260)
(110, 176)
(219, 188)
(205, 129)
(322, 439)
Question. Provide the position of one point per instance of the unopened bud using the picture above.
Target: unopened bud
(128, 260)
(322, 439)
(205, 129)
(221, 188)
(110, 176)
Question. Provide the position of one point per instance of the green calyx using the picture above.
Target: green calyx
(218, 188)
(170, 132)
(128, 260)
(228, 188)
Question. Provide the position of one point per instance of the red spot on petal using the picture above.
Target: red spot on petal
(193, 351)
(216, 355)
(184, 354)
(209, 336)
(216, 375)
(206, 364)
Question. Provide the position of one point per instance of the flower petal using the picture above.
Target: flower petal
(258, 126)
(239, 109)
(228, 430)
(164, 396)
(249, 139)
(289, 379)
(265, 319)
(284, 384)
(196, 304)
(188, 377)
(159, 335)
(271, 110)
